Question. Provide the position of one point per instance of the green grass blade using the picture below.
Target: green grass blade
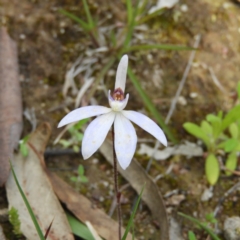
(232, 116)
(142, 8)
(113, 39)
(157, 46)
(150, 106)
(82, 23)
(129, 11)
(150, 16)
(133, 232)
(205, 228)
(39, 231)
(191, 236)
(130, 27)
(89, 16)
(78, 228)
(130, 222)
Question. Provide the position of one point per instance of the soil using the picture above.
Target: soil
(49, 42)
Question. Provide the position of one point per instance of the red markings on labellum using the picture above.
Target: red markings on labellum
(118, 94)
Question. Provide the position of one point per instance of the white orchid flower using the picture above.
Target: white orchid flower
(125, 134)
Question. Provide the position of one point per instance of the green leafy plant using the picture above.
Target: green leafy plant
(76, 136)
(78, 228)
(210, 218)
(219, 133)
(35, 222)
(81, 178)
(208, 230)
(14, 220)
(136, 14)
(191, 236)
(23, 146)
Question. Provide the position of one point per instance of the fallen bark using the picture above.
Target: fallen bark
(10, 103)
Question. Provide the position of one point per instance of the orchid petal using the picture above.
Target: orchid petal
(121, 73)
(147, 124)
(82, 113)
(125, 140)
(117, 105)
(96, 133)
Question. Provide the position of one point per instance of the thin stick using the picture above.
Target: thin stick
(117, 193)
(225, 195)
(180, 87)
(179, 90)
(215, 80)
(222, 199)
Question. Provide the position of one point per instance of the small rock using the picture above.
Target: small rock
(182, 100)
(232, 228)
(175, 230)
(184, 8)
(62, 30)
(105, 183)
(150, 58)
(95, 161)
(22, 36)
(175, 200)
(193, 95)
(111, 73)
(151, 230)
(207, 194)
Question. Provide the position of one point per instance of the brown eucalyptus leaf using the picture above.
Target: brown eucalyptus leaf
(137, 177)
(10, 103)
(32, 177)
(82, 208)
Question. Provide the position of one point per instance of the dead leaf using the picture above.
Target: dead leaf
(82, 208)
(10, 103)
(38, 190)
(137, 177)
(175, 200)
(163, 4)
(187, 149)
